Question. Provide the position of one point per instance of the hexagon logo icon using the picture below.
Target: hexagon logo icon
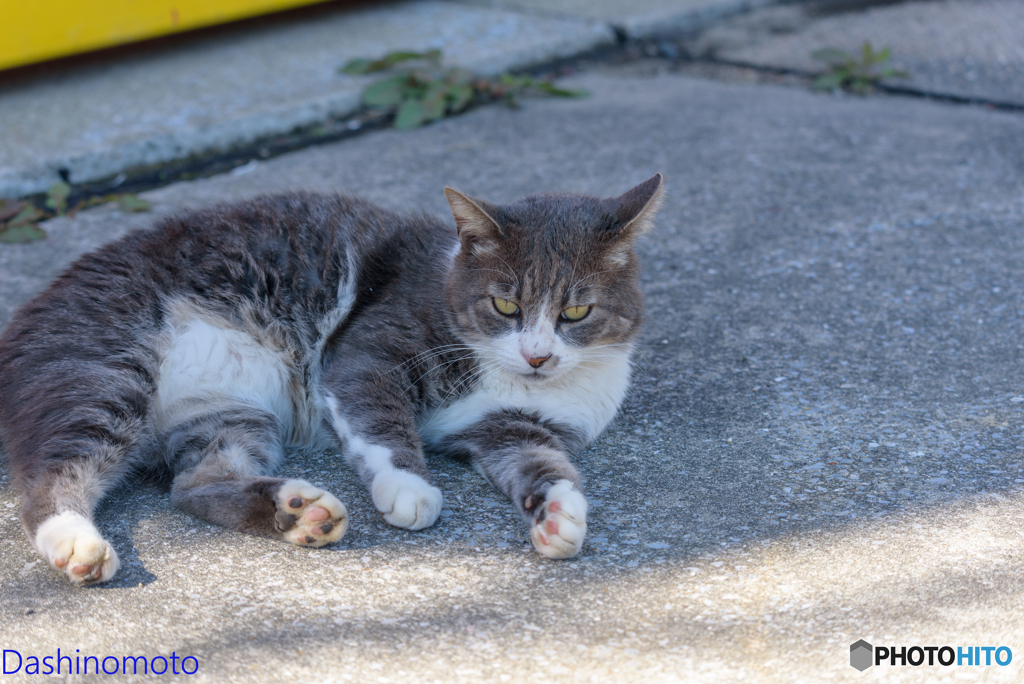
(860, 655)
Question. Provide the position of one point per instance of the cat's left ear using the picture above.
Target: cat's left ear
(634, 211)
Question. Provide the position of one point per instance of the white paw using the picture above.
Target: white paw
(561, 523)
(309, 516)
(405, 499)
(73, 545)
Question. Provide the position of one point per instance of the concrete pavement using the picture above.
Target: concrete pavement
(822, 445)
(949, 47)
(213, 94)
(209, 94)
(636, 19)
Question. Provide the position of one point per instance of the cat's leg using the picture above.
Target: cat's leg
(57, 510)
(66, 456)
(223, 457)
(68, 448)
(529, 462)
(374, 424)
(389, 460)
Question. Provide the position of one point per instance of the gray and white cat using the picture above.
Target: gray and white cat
(201, 348)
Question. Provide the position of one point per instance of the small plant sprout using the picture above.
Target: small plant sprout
(855, 74)
(57, 198)
(18, 218)
(17, 221)
(423, 91)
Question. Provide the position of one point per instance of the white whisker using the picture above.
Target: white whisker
(439, 367)
(430, 353)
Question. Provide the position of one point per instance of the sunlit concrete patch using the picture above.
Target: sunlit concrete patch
(951, 575)
(770, 610)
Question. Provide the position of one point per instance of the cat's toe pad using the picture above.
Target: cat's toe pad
(73, 545)
(561, 522)
(406, 500)
(309, 516)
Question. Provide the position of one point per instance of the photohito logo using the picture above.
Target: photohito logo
(863, 655)
(860, 655)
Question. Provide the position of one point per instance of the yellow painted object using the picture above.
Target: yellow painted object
(38, 30)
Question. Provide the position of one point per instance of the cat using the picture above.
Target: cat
(203, 347)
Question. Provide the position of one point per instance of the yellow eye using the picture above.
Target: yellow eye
(505, 307)
(576, 313)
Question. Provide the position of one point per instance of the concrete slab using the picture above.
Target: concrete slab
(822, 444)
(637, 19)
(215, 93)
(968, 48)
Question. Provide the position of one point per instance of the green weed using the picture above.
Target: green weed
(18, 221)
(856, 74)
(424, 91)
(18, 218)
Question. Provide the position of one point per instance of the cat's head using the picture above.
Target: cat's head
(551, 282)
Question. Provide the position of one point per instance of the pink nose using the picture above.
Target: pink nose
(537, 362)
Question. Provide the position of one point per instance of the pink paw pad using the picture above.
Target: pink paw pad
(89, 573)
(316, 514)
(561, 523)
(310, 516)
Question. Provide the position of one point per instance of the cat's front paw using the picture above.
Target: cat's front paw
(406, 499)
(560, 522)
(309, 516)
(73, 545)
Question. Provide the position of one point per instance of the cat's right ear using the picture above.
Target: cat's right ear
(478, 230)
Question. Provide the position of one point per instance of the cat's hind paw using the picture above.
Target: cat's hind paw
(561, 522)
(309, 516)
(406, 500)
(73, 545)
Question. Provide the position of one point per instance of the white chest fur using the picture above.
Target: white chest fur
(585, 398)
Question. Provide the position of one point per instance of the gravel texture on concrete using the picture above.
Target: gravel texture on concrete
(966, 48)
(822, 443)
